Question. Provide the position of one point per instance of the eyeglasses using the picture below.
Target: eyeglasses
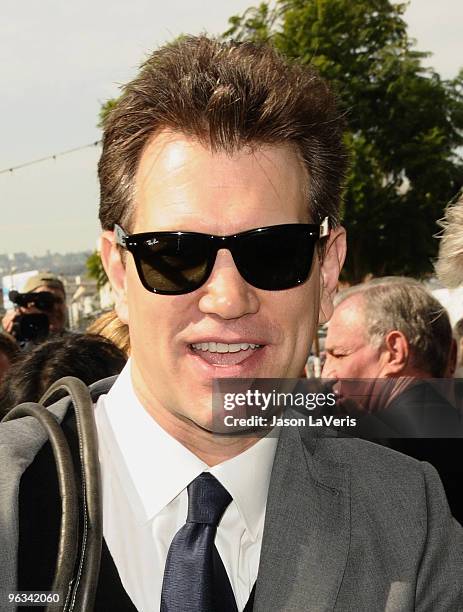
(271, 258)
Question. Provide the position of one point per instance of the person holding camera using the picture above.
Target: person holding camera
(39, 310)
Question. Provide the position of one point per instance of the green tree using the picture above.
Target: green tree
(405, 123)
(105, 109)
(95, 269)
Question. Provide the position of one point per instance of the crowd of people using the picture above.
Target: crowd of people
(34, 355)
(219, 265)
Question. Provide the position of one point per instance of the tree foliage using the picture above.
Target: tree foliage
(95, 269)
(405, 123)
(105, 109)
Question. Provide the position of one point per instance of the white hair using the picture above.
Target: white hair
(449, 265)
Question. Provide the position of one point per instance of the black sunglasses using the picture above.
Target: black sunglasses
(271, 258)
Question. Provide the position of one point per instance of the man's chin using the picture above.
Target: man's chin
(202, 416)
(210, 421)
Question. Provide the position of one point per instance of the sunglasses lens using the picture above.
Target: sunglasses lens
(274, 259)
(270, 258)
(173, 264)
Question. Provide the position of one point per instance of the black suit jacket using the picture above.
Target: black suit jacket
(422, 409)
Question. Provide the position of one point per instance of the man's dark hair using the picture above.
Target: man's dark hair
(88, 357)
(226, 95)
(9, 347)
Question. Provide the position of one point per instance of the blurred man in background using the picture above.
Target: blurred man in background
(51, 308)
(388, 327)
(394, 330)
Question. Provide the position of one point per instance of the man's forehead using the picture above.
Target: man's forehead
(175, 154)
(348, 322)
(351, 311)
(180, 178)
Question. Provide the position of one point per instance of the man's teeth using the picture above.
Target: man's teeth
(221, 347)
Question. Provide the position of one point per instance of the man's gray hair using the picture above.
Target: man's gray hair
(449, 265)
(403, 304)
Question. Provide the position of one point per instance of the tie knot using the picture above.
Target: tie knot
(207, 500)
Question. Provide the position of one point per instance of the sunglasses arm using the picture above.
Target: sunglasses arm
(120, 236)
(324, 228)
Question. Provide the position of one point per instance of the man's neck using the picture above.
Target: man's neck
(212, 448)
(396, 385)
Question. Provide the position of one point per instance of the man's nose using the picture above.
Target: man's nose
(226, 293)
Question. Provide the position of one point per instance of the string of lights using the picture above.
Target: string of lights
(50, 157)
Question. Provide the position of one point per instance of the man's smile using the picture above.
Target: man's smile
(233, 359)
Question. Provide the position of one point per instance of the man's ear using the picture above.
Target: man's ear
(330, 268)
(395, 353)
(115, 269)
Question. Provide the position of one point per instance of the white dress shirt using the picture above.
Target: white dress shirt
(145, 472)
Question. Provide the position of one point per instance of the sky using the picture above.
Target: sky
(61, 60)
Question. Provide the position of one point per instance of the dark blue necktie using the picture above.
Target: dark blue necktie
(195, 579)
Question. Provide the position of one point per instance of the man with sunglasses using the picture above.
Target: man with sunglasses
(220, 177)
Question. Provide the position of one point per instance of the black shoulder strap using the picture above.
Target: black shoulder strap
(39, 525)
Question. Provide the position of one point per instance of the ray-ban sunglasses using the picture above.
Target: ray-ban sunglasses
(271, 258)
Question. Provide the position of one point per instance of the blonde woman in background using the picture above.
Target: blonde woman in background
(110, 326)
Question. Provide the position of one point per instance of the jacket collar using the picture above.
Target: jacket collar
(307, 528)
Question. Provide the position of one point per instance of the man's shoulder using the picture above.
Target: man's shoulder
(378, 473)
(21, 438)
(27, 430)
(364, 456)
(390, 496)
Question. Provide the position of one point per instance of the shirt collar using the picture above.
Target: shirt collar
(247, 477)
(160, 468)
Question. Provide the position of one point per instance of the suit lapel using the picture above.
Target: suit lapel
(307, 529)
